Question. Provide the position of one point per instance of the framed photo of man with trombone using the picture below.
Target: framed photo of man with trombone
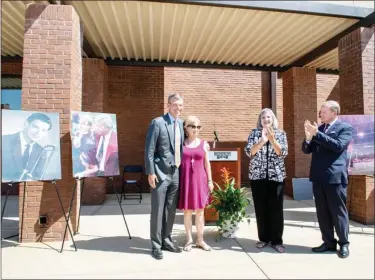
(30, 146)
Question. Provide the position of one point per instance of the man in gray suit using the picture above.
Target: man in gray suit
(162, 159)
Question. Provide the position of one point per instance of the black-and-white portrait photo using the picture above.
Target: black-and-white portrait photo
(30, 146)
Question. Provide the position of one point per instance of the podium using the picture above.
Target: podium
(219, 158)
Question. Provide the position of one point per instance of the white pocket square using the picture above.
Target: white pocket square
(332, 132)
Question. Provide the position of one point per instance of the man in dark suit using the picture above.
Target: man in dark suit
(162, 159)
(328, 144)
(22, 157)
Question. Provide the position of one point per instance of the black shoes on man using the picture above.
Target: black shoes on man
(158, 254)
(342, 253)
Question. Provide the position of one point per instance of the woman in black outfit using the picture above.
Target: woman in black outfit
(267, 147)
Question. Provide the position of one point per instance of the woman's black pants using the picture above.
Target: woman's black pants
(268, 198)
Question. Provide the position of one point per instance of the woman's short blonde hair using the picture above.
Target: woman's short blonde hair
(191, 120)
(275, 123)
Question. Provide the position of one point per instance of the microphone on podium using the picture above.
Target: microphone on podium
(216, 139)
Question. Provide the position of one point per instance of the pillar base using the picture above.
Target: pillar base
(360, 199)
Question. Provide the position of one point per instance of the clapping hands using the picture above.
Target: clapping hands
(268, 134)
(310, 130)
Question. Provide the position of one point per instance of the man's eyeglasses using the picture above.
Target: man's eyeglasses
(194, 126)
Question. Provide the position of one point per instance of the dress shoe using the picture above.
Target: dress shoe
(324, 248)
(343, 252)
(171, 248)
(157, 254)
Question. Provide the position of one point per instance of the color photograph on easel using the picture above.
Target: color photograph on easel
(94, 150)
(30, 146)
(361, 149)
(94, 144)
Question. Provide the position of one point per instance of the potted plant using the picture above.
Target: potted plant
(230, 203)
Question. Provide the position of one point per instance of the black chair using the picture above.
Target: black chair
(136, 171)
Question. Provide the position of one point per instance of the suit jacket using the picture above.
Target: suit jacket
(329, 154)
(160, 146)
(111, 164)
(12, 160)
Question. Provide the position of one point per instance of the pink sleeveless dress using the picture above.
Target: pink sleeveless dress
(193, 179)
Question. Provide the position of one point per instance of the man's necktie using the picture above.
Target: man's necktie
(25, 156)
(100, 153)
(177, 144)
(326, 128)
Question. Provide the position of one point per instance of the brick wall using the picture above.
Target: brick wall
(279, 102)
(367, 47)
(327, 89)
(266, 90)
(257, 84)
(51, 82)
(360, 200)
(136, 96)
(300, 103)
(229, 99)
(356, 61)
(94, 99)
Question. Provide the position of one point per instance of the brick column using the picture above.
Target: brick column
(356, 62)
(300, 103)
(51, 82)
(94, 99)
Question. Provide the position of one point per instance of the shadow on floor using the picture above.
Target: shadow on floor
(9, 243)
(249, 246)
(317, 228)
(120, 244)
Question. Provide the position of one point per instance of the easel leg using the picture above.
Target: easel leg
(80, 204)
(23, 210)
(67, 226)
(119, 203)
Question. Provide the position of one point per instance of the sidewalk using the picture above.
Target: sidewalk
(105, 251)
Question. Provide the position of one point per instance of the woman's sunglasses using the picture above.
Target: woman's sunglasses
(194, 126)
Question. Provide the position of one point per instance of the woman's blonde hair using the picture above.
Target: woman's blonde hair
(275, 123)
(191, 120)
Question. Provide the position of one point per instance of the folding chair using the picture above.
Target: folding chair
(133, 171)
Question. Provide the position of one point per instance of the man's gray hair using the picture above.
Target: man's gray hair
(334, 106)
(174, 96)
(275, 123)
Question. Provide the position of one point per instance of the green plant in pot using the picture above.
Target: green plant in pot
(230, 203)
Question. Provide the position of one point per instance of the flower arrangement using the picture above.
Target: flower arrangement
(230, 203)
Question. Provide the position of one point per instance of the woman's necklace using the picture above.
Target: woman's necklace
(191, 147)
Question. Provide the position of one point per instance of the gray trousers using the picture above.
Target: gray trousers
(163, 210)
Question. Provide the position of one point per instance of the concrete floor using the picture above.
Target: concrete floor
(105, 251)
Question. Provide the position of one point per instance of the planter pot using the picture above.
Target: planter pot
(229, 229)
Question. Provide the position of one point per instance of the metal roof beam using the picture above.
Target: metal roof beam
(15, 58)
(164, 63)
(300, 7)
(332, 43)
(11, 75)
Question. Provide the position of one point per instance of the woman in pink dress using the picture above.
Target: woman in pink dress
(195, 182)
